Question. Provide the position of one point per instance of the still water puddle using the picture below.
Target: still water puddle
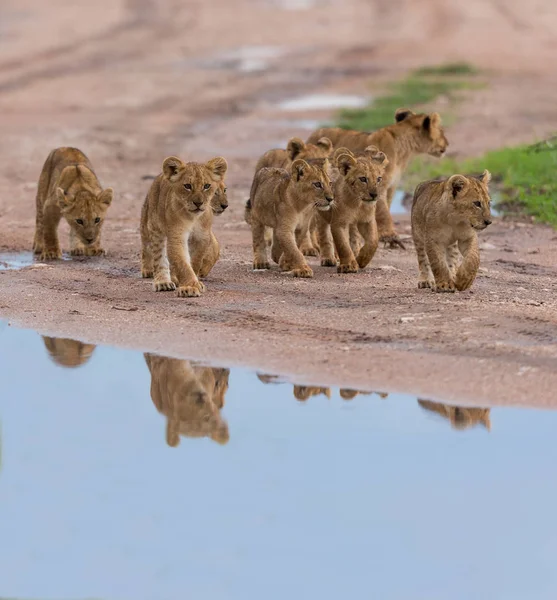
(323, 102)
(134, 476)
(15, 260)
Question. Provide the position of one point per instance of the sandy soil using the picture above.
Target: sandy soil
(130, 82)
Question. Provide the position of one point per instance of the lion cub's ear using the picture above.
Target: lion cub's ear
(345, 162)
(486, 177)
(339, 152)
(299, 168)
(326, 144)
(218, 166)
(172, 168)
(106, 196)
(403, 113)
(376, 155)
(432, 120)
(62, 199)
(456, 184)
(294, 147)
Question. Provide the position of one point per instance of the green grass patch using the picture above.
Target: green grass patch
(420, 87)
(525, 177)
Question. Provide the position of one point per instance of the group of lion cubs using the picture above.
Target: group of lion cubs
(329, 196)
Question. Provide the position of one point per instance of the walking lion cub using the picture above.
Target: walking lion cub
(177, 200)
(283, 201)
(446, 215)
(69, 188)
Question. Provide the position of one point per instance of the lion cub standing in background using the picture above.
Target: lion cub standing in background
(445, 218)
(69, 188)
(178, 198)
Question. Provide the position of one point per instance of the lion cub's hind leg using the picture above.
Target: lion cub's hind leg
(260, 258)
(147, 266)
(161, 270)
(426, 279)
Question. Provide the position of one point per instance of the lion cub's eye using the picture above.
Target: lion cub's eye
(363, 179)
(79, 221)
(478, 204)
(206, 186)
(225, 190)
(318, 184)
(187, 186)
(379, 179)
(98, 220)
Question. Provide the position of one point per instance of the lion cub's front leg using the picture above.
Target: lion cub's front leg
(51, 246)
(437, 257)
(346, 257)
(178, 256)
(368, 229)
(292, 259)
(161, 272)
(260, 259)
(326, 245)
(468, 269)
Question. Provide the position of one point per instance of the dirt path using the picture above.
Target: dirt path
(132, 82)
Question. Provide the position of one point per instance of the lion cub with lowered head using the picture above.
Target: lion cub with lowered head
(296, 148)
(69, 188)
(357, 189)
(178, 197)
(282, 201)
(446, 215)
(460, 417)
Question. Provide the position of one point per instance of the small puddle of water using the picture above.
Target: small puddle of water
(246, 59)
(323, 102)
(15, 260)
(126, 475)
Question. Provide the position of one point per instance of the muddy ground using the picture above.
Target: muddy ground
(130, 82)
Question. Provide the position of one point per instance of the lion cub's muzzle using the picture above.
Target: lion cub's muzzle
(324, 204)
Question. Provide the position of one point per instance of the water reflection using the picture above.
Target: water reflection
(66, 352)
(305, 392)
(190, 397)
(460, 417)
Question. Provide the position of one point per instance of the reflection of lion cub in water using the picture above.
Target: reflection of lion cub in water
(445, 218)
(69, 188)
(66, 352)
(460, 417)
(190, 396)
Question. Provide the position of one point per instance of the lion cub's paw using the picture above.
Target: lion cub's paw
(164, 286)
(191, 291)
(445, 286)
(304, 272)
(79, 251)
(51, 254)
(392, 241)
(329, 262)
(425, 283)
(351, 267)
(259, 266)
(309, 251)
(95, 251)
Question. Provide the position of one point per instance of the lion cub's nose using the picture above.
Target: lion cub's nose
(487, 222)
(329, 199)
(373, 195)
(198, 203)
(90, 240)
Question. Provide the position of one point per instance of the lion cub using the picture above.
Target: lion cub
(203, 244)
(446, 215)
(178, 198)
(69, 188)
(282, 201)
(357, 189)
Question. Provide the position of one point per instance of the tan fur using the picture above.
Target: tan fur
(412, 134)
(282, 201)
(179, 197)
(296, 148)
(446, 215)
(190, 396)
(203, 244)
(357, 189)
(69, 188)
(66, 352)
(460, 417)
(305, 392)
(282, 159)
(348, 394)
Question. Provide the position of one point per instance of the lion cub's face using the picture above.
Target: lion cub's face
(297, 148)
(219, 203)
(66, 352)
(193, 184)
(427, 129)
(469, 199)
(312, 181)
(83, 208)
(364, 175)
